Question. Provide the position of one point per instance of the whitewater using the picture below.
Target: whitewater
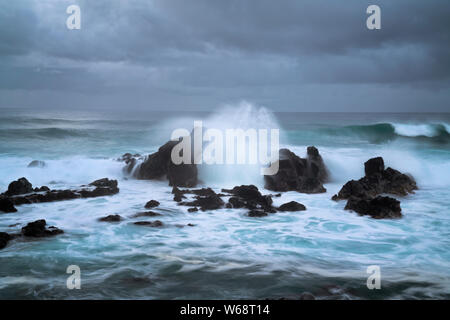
(226, 254)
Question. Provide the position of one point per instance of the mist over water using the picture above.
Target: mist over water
(323, 250)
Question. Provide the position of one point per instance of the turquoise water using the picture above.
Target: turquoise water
(324, 250)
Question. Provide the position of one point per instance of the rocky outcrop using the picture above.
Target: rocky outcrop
(38, 229)
(111, 218)
(298, 174)
(249, 197)
(153, 224)
(151, 204)
(292, 206)
(20, 186)
(378, 207)
(98, 188)
(159, 165)
(244, 196)
(146, 214)
(6, 205)
(130, 161)
(376, 181)
(178, 195)
(363, 195)
(208, 202)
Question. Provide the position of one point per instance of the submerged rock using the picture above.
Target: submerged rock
(298, 174)
(38, 229)
(151, 204)
(146, 214)
(37, 164)
(20, 186)
(292, 206)
(153, 224)
(378, 208)
(6, 205)
(376, 181)
(111, 218)
(195, 209)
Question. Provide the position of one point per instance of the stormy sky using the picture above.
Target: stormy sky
(287, 55)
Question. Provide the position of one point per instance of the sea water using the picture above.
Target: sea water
(324, 250)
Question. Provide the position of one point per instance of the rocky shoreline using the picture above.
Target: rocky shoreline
(366, 196)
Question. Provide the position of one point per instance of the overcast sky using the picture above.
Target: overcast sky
(292, 55)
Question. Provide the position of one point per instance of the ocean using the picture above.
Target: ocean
(324, 250)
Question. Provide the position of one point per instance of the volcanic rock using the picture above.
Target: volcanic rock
(146, 214)
(153, 224)
(377, 181)
(292, 206)
(38, 229)
(111, 218)
(378, 208)
(6, 205)
(20, 186)
(151, 204)
(298, 174)
(159, 165)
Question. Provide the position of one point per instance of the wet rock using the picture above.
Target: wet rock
(195, 209)
(111, 218)
(98, 188)
(237, 203)
(41, 189)
(146, 214)
(377, 181)
(199, 192)
(178, 194)
(298, 174)
(104, 183)
(153, 224)
(20, 186)
(257, 213)
(151, 204)
(190, 225)
(6, 205)
(292, 206)
(130, 161)
(37, 164)
(38, 229)
(210, 202)
(248, 196)
(183, 175)
(4, 239)
(159, 165)
(317, 167)
(374, 166)
(378, 208)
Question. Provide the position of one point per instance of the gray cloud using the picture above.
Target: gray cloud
(288, 55)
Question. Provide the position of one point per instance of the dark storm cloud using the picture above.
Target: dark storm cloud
(291, 55)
